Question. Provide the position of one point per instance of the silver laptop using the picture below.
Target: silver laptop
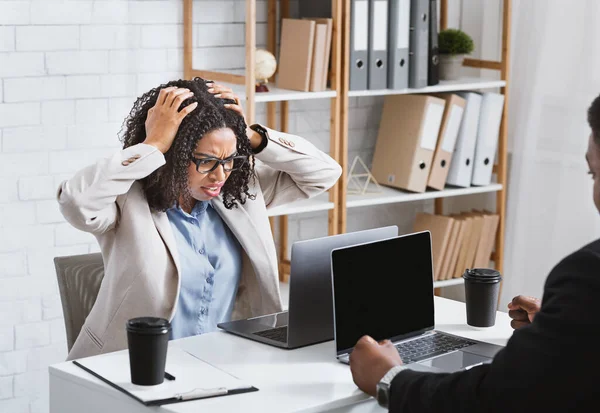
(385, 289)
(309, 319)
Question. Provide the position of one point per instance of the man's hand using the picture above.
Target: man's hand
(370, 361)
(522, 310)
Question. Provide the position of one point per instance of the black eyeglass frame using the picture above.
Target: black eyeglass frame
(241, 159)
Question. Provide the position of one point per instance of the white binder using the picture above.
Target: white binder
(490, 116)
(461, 168)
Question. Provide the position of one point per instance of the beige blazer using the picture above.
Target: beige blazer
(139, 251)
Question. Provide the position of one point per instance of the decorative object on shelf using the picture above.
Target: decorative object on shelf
(264, 68)
(355, 180)
(454, 44)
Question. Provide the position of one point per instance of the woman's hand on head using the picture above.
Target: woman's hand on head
(164, 117)
(224, 92)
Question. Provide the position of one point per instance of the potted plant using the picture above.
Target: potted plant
(453, 45)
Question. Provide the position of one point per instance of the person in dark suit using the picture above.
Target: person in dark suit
(549, 363)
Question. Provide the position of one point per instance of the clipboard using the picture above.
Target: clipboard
(192, 378)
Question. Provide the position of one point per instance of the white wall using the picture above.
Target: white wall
(69, 72)
(550, 199)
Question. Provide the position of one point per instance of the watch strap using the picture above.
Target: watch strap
(263, 133)
(384, 385)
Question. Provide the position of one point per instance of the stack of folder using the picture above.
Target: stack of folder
(305, 54)
(459, 241)
(393, 43)
(430, 141)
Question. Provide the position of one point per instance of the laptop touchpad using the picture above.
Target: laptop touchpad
(455, 361)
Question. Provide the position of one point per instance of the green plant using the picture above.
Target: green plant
(455, 41)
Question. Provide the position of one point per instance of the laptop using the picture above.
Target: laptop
(309, 319)
(385, 289)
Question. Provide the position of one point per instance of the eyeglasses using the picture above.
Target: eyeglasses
(207, 165)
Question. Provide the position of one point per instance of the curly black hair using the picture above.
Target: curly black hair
(164, 186)
(593, 118)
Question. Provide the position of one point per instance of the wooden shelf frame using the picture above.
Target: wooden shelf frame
(338, 203)
(248, 80)
(500, 168)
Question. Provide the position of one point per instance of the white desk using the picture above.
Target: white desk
(302, 380)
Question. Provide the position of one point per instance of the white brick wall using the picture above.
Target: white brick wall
(8, 188)
(20, 164)
(34, 88)
(36, 187)
(40, 358)
(110, 37)
(7, 39)
(13, 362)
(13, 264)
(61, 12)
(51, 38)
(58, 112)
(6, 387)
(91, 111)
(20, 311)
(28, 336)
(7, 342)
(15, 12)
(70, 71)
(17, 214)
(19, 114)
(77, 62)
(110, 12)
(47, 212)
(21, 64)
(31, 384)
(18, 405)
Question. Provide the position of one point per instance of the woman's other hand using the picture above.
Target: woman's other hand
(164, 117)
(223, 92)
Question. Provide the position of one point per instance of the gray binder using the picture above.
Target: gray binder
(314, 8)
(419, 44)
(398, 59)
(433, 77)
(359, 44)
(378, 44)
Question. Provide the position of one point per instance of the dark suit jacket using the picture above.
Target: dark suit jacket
(552, 365)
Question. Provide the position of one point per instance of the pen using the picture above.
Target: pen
(169, 376)
(200, 393)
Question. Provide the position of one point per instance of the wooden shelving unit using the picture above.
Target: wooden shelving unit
(244, 86)
(337, 201)
(500, 168)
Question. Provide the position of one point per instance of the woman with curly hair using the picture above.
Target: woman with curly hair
(180, 213)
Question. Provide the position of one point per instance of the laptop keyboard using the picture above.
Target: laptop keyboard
(429, 346)
(277, 334)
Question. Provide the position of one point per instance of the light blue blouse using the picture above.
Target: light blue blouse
(211, 263)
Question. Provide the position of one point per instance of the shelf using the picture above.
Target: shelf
(392, 196)
(276, 94)
(444, 86)
(448, 283)
(387, 196)
(318, 203)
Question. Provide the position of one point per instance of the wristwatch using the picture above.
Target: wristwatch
(383, 387)
(263, 133)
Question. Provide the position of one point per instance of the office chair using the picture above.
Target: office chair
(79, 278)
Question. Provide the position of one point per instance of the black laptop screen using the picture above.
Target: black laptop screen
(383, 289)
